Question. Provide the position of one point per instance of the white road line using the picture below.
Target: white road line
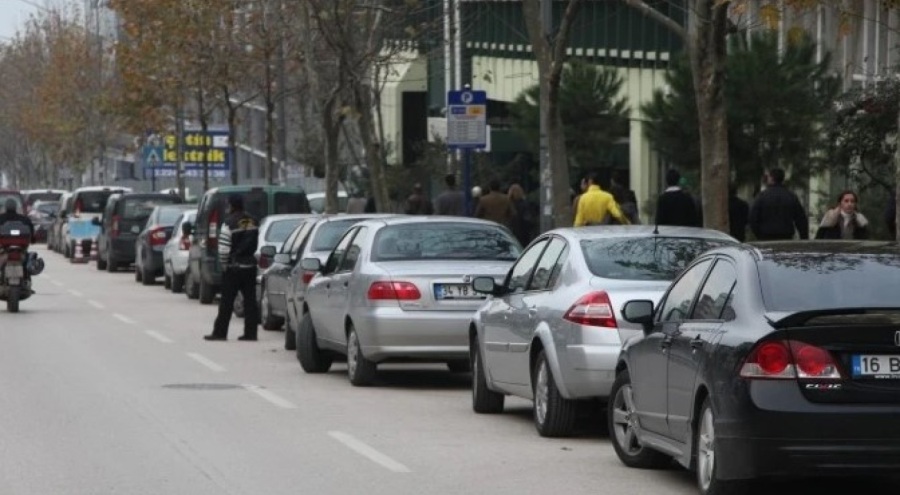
(206, 362)
(75, 293)
(366, 451)
(96, 304)
(271, 397)
(158, 336)
(56, 283)
(123, 318)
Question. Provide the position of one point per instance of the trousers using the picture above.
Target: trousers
(234, 281)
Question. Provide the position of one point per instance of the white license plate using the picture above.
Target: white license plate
(14, 272)
(455, 291)
(876, 366)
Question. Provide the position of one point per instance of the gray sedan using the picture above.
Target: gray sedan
(399, 288)
(552, 330)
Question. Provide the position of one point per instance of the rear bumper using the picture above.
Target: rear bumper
(774, 431)
(390, 332)
(121, 249)
(179, 263)
(588, 371)
(154, 262)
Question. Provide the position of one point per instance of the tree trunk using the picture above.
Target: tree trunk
(378, 184)
(707, 51)
(332, 131)
(897, 181)
(232, 142)
(270, 139)
(204, 128)
(559, 160)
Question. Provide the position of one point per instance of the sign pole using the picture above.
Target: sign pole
(467, 180)
(466, 131)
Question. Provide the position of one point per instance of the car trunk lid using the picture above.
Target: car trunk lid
(622, 291)
(444, 285)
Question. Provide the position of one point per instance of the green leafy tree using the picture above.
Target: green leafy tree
(776, 104)
(594, 114)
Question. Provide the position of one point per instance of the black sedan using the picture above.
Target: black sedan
(775, 360)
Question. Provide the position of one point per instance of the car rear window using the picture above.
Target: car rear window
(167, 216)
(807, 281)
(291, 202)
(643, 258)
(281, 229)
(445, 241)
(30, 198)
(137, 208)
(92, 201)
(48, 208)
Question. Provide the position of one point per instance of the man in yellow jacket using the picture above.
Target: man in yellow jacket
(595, 204)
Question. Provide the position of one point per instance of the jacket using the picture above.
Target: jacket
(238, 240)
(776, 214)
(451, 202)
(678, 208)
(496, 207)
(835, 226)
(595, 207)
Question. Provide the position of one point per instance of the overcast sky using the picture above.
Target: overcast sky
(13, 15)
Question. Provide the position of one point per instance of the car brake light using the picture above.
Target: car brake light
(789, 359)
(263, 262)
(115, 226)
(393, 291)
(308, 276)
(157, 236)
(14, 256)
(594, 310)
(213, 231)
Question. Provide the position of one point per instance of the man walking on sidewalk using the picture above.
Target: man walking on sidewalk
(237, 244)
(776, 212)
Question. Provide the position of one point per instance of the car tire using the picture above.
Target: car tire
(167, 282)
(622, 421)
(191, 290)
(206, 293)
(554, 415)
(112, 265)
(137, 273)
(269, 322)
(360, 370)
(484, 400)
(708, 481)
(290, 334)
(101, 263)
(177, 285)
(147, 277)
(312, 359)
(459, 366)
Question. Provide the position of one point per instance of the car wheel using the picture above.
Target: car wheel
(554, 415)
(177, 284)
(111, 264)
(101, 263)
(623, 428)
(207, 292)
(484, 400)
(137, 273)
(290, 335)
(312, 359)
(269, 321)
(705, 448)
(147, 277)
(360, 370)
(191, 290)
(167, 281)
(459, 366)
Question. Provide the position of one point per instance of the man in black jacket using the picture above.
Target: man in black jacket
(777, 212)
(675, 206)
(238, 239)
(11, 215)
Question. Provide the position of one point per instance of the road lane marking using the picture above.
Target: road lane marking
(271, 397)
(75, 293)
(368, 452)
(206, 362)
(96, 304)
(56, 283)
(158, 336)
(123, 318)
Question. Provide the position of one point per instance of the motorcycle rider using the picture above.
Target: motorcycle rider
(10, 215)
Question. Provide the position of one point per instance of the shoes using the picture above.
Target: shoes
(214, 337)
(246, 338)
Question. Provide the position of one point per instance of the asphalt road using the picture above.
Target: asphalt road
(108, 388)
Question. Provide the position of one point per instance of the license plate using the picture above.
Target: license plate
(876, 366)
(14, 272)
(455, 291)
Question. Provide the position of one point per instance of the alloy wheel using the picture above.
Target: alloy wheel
(541, 393)
(352, 353)
(625, 421)
(706, 452)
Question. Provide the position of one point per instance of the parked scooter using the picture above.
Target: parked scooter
(15, 282)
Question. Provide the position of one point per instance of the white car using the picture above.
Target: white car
(175, 254)
(317, 202)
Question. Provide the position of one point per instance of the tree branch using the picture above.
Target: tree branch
(658, 16)
(562, 38)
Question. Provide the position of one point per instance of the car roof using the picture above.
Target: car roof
(270, 219)
(102, 188)
(239, 189)
(599, 231)
(408, 219)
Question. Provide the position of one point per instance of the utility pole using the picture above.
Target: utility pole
(546, 173)
(179, 139)
(282, 97)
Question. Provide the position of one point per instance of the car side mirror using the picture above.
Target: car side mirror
(187, 229)
(311, 264)
(639, 312)
(283, 258)
(267, 251)
(486, 285)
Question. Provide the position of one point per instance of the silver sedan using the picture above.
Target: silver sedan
(552, 330)
(399, 287)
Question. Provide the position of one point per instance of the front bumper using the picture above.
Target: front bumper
(390, 333)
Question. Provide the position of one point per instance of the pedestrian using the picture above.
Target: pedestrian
(776, 212)
(417, 203)
(844, 221)
(582, 188)
(238, 240)
(596, 206)
(524, 220)
(738, 214)
(625, 197)
(890, 216)
(452, 201)
(675, 206)
(495, 206)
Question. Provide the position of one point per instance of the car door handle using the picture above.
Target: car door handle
(697, 343)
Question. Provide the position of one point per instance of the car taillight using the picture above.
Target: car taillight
(114, 231)
(308, 276)
(393, 291)
(594, 310)
(264, 262)
(213, 232)
(185, 244)
(158, 236)
(789, 359)
(78, 207)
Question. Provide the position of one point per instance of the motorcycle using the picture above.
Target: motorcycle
(15, 286)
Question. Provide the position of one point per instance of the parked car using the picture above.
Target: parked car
(123, 219)
(150, 242)
(399, 288)
(284, 280)
(175, 254)
(204, 273)
(34, 195)
(56, 234)
(778, 360)
(88, 203)
(317, 201)
(551, 331)
(42, 214)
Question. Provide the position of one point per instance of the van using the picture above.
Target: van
(204, 275)
(123, 219)
(87, 203)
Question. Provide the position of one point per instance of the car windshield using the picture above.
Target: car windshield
(92, 201)
(643, 258)
(808, 281)
(445, 240)
(138, 208)
(281, 229)
(329, 233)
(167, 216)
